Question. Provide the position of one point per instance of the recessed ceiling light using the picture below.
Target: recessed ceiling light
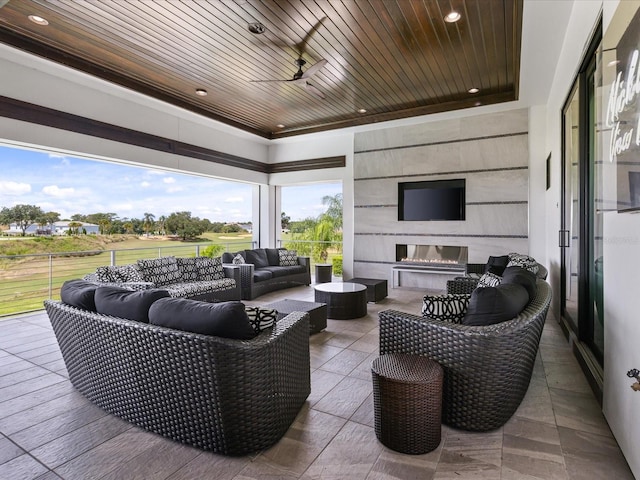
(38, 20)
(362, 110)
(201, 92)
(477, 104)
(452, 17)
(473, 90)
(257, 28)
(280, 125)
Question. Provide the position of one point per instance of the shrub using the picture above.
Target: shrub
(337, 265)
(212, 251)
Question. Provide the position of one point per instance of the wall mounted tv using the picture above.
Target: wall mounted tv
(432, 200)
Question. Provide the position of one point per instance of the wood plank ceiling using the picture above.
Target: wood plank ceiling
(393, 58)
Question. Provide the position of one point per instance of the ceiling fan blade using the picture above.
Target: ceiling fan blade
(313, 69)
(314, 90)
(302, 46)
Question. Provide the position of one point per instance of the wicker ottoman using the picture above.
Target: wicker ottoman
(407, 401)
(376, 288)
(317, 312)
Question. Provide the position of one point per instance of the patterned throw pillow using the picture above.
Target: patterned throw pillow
(160, 271)
(261, 318)
(238, 260)
(189, 269)
(449, 308)
(524, 261)
(130, 273)
(209, 268)
(104, 274)
(288, 258)
(489, 280)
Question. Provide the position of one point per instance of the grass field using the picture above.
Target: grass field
(28, 276)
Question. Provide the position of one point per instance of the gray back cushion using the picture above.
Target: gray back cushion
(258, 257)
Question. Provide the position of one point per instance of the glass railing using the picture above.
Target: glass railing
(27, 280)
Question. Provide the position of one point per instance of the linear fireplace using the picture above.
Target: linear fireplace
(432, 256)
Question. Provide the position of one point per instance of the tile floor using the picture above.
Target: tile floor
(49, 431)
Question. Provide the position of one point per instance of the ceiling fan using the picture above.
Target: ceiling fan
(301, 78)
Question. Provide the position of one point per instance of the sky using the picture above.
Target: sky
(70, 185)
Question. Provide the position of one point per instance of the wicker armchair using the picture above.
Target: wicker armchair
(228, 396)
(469, 282)
(486, 369)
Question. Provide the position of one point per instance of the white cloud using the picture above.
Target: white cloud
(55, 155)
(122, 207)
(156, 172)
(145, 184)
(234, 200)
(55, 191)
(14, 188)
(174, 189)
(169, 180)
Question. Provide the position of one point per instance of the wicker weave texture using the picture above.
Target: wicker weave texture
(228, 396)
(251, 289)
(487, 369)
(407, 400)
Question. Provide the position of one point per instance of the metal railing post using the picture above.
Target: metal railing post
(197, 250)
(50, 277)
(113, 257)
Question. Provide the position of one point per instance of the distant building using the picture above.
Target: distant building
(57, 228)
(61, 228)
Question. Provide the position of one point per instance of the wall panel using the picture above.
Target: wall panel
(489, 151)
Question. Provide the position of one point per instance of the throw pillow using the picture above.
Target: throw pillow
(129, 273)
(79, 293)
(496, 264)
(209, 268)
(491, 305)
(448, 308)
(489, 279)
(105, 274)
(522, 277)
(188, 268)
(288, 258)
(123, 303)
(225, 319)
(524, 261)
(273, 256)
(160, 271)
(258, 257)
(261, 318)
(238, 260)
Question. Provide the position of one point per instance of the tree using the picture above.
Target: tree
(148, 222)
(334, 209)
(74, 228)
(22, 215)
(184, 225)
(284, 221)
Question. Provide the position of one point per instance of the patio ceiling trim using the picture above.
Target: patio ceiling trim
(29, 112)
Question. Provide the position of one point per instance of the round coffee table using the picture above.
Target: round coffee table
(344, 300)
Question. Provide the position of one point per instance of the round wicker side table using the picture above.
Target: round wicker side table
(407, 401)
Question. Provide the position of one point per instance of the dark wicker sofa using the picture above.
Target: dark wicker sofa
(486, 369)
(199, 278)
(228, 396)
(262, 271)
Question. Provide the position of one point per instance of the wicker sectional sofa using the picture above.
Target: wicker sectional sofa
(225, 395)
(264, 270)
(199, 278)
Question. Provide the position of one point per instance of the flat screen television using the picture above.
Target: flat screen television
(431, 200)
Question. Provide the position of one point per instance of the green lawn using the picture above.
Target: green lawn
(25, 281)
